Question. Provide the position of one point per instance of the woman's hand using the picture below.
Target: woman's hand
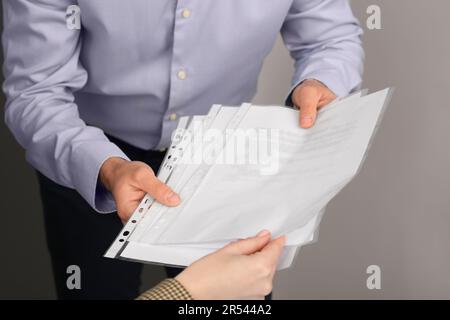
(242, 269)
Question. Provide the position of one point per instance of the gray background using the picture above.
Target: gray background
(394, 214)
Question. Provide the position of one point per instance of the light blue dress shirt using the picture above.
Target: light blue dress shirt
(136, 66)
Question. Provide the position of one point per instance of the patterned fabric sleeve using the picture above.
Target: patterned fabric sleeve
(169, 289)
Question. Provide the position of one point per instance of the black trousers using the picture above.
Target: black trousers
(77, 235)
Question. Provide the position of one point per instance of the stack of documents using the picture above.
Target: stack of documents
(239, 170)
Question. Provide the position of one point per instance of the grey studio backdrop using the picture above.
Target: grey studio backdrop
(393, 215)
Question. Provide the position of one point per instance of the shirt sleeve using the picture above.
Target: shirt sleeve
(323, 37)
(169, 289)
(42, 70)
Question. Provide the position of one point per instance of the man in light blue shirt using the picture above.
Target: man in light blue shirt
(77, 98)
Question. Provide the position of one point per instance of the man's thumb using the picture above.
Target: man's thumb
(160, 192)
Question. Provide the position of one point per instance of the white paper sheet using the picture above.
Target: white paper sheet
(223, 202)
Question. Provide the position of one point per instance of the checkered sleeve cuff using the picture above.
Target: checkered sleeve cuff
(169, 289)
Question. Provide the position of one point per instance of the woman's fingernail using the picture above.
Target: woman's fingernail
(173, 197)
(263, 233)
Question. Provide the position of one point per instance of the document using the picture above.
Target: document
(239, 170)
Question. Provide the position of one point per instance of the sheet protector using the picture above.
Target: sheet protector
(222, 202)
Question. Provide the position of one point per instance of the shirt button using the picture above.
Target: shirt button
(173, 117)
(182, 75)
(186, 13)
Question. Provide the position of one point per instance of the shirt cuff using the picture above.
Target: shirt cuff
(169, 289)
(87, 160)
(330, 78)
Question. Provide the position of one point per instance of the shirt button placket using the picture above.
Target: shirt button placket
(180, 72)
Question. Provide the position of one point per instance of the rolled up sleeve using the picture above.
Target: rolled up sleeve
(42, 71)
(323, 37)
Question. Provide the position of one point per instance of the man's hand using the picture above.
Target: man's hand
(310, 96)
(129, 181)
(241, 270)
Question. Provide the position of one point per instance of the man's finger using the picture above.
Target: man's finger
(125, 210)
(249, 245)
(308, 112)
(160, 192)
(307, 100)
